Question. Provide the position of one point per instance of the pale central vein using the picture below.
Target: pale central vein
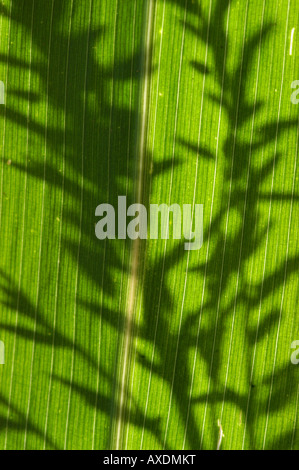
(133, 277)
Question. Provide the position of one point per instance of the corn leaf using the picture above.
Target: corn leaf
(142, 344)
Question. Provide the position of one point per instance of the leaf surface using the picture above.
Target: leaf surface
(120, 344)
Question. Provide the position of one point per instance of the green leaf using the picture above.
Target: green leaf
(120, 344)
